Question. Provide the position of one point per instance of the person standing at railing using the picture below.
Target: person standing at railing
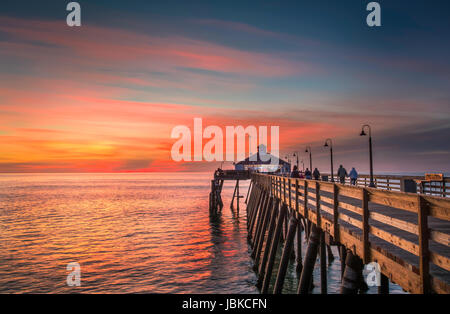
(316, 174)
(295, 173)
(308, 174)
(342, 173)
(353, 176)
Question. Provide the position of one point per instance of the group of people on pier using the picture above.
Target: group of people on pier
(341, 173)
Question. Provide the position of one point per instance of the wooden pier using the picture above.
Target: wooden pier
(406, 234)
(215, 196)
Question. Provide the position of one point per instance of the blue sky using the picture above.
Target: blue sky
(313, 67)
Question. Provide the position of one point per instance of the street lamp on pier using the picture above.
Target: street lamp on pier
(329, 143)
(363, 133)
(308, 150)
(296, 155)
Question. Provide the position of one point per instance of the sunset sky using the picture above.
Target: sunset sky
(105, 96)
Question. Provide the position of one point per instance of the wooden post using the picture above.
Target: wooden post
(319, 225)
(262, 224)
(343, 256)
(424, 257)
(259, 219)
(260, 241)
(238, 197)
(323, 264)
(310, 259)
(285, 256)
(336, 212)
(232, 199)
(251, 205)
(213, 205)
(305, 202)
(255, 214)
(384, 285)
(248, 191)
(299, 248)
(352, 274)
(289, 194)
(443, 187)
(365, 226)
(299, 231)
(273, 249)
(329, 254)
(272, 225)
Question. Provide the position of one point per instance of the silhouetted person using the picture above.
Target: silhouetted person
(295, 173)
(316, 174)
(308, 174)
(353, 176)
(342, 173)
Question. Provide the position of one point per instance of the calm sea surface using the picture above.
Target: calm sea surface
(131, 233)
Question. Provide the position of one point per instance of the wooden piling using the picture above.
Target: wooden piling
(299, 248)
(252, 203)
(323, 264)
(351, 280)
(262, 234)
(255, 213)
(343, 256)
(330, 254)
(272, 225)
(384, 285)
(260, 218)
(248, 191)
(309, 261)
(288, 245)
(273, 249)
(260, 230)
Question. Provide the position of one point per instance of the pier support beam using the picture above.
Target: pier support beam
(384, 285)
(273, 249)
(261, 213)
(260, 230)
(260, 199)
(272, 225)
(299, 248)
(310, 260)
(323, 264)
(343, 256)
(262, 234)
(352, 274)
(285, 256)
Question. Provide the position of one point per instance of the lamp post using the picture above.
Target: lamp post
(296, 155)
(308, 149)
(289, 161)
(363, 133)
(329, 143)
(303, 165)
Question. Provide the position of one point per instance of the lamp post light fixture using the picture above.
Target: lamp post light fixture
(363, 133)
(308, 150)
(296, 155)
(289, 161)
(329, 143)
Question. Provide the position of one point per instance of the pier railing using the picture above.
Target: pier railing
(415, 184)
(406, 234)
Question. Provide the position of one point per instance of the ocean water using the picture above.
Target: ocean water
(130, 233)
